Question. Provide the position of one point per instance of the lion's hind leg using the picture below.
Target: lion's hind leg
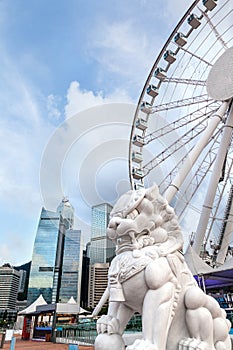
(206, 323)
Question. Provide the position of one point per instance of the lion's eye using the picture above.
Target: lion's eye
(118, 215)
(133, 214)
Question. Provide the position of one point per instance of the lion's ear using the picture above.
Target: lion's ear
(152, 192)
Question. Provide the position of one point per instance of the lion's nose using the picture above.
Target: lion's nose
(114, 222)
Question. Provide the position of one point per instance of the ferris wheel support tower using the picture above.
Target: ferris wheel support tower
(219, 87)
(211, 190)
(194, 154)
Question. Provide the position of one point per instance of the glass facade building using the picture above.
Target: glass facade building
(56, 246)
(66, 210)
(71, 267)
(44, 257)
(102, 249)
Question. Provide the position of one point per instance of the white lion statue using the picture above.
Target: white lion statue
(149, 276)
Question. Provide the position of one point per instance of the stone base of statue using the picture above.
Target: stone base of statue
(149, 276)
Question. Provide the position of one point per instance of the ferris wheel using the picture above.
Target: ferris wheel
(181, 136)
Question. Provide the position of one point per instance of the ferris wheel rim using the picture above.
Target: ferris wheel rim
(150, 75)
(213, 35)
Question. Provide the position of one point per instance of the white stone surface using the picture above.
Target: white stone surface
(149, 276)
(220, 79)
(129, 338)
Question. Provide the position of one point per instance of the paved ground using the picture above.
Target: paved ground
(39, 345)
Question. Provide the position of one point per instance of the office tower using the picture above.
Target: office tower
(48, 251)
(66, 211)
(85, 277)
(22, 281)
(22, 295)
(102, 249)
(97, 283)
(9, 285)
(71, 267)
(43, 257)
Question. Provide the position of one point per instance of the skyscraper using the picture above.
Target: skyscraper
(98, 282)
(9, 286)
(51, 250)
(102, 249)
(85, 277)
(71, 267)
(44, 256)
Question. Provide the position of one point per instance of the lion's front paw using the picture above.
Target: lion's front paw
(141, 344)
(192, 343)
(107, 324)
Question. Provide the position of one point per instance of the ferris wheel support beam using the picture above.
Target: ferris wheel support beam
(213, 184)
(226, 238)
(195, 152)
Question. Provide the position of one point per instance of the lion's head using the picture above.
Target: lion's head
(143, 218)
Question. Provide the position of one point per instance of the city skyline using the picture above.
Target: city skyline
(56, 61)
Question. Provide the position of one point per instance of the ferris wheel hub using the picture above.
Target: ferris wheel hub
(220, 79)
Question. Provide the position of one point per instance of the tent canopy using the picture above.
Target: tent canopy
(41, 307)
(196, 265)
(213, 277)
(32, 308)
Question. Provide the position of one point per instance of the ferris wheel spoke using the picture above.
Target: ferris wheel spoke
(185, 81)
(215, 31)
(200, 173)
(226, 32)
(183, 140)
(203, 167)
(149, 109)
(194, 154)
(199, 58)
(195, 118)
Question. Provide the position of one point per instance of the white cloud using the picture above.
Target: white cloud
(16, 249)
(79, 100)
(5, 253)
(123, 49)
(18, 101)
(52, 106)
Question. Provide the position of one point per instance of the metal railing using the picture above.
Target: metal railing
(84, 333)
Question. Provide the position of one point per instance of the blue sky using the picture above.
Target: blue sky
(59, 58)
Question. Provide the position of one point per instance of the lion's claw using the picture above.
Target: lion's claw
(108, 324)
(192, 343)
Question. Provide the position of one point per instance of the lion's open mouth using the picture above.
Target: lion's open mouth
(133, 214)
(132, 241)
